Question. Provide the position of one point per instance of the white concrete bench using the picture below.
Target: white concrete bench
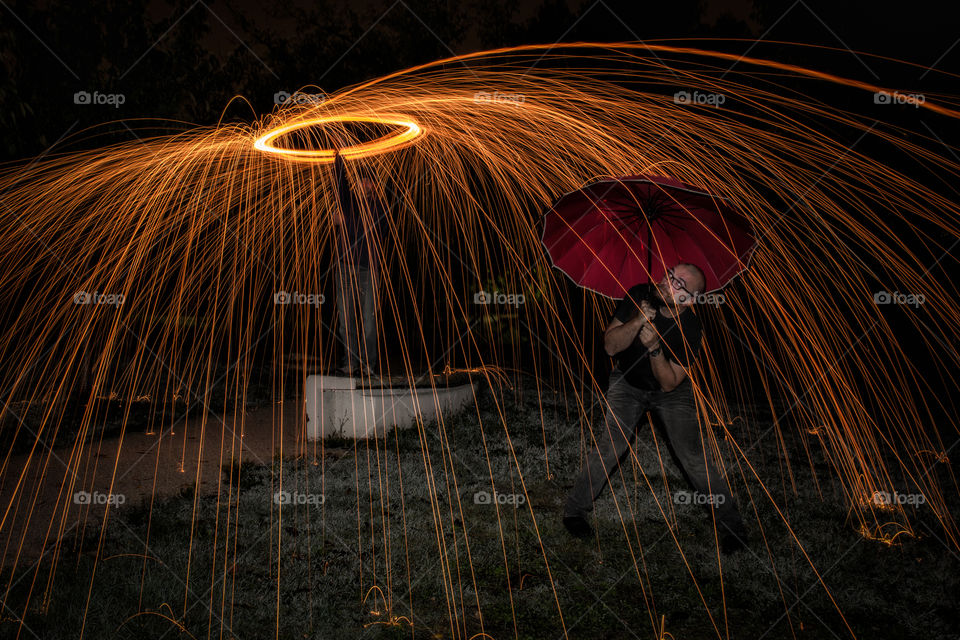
(337, 406)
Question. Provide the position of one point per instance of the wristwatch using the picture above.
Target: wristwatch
(656, 351)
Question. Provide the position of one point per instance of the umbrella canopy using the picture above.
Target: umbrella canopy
(613, 234)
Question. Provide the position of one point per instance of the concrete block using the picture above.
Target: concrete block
(336, 406)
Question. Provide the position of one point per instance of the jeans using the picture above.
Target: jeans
(676, 412)
(356, 310)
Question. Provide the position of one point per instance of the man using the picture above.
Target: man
(654, 347)
(360, 219)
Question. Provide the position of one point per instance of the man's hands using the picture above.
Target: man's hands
(647, 309)
(648, 337)
(620, 335)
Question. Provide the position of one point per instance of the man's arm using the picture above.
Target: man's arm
(619, 335)
(668, 373)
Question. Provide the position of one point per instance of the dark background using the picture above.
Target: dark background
(185, 60)
(182, 63)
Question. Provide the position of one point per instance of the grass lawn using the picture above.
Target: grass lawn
(395, 538)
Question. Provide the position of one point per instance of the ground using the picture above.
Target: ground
(400, 538)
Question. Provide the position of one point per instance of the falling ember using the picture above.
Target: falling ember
(215, 222)
(888, 533)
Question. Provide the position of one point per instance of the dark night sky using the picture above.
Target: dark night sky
(184, 59)
(920, 35)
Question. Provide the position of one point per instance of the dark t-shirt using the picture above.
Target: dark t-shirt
(680, 337)
(361, 238)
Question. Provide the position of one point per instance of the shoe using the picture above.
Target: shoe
(578, 526)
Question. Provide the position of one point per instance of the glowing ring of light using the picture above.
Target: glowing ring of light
(411, 131)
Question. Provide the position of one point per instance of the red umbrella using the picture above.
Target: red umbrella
(613, 234)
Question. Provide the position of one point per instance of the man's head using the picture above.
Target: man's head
(366, 185)
(682, 285)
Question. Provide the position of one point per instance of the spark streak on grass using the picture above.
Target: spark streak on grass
(175, 220)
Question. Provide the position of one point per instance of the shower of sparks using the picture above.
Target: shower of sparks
(105, 252)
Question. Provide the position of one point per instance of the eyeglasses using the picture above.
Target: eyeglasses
(678, 283)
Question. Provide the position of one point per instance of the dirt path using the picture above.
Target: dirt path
(50, 494)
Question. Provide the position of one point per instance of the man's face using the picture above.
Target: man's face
(673, 286)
